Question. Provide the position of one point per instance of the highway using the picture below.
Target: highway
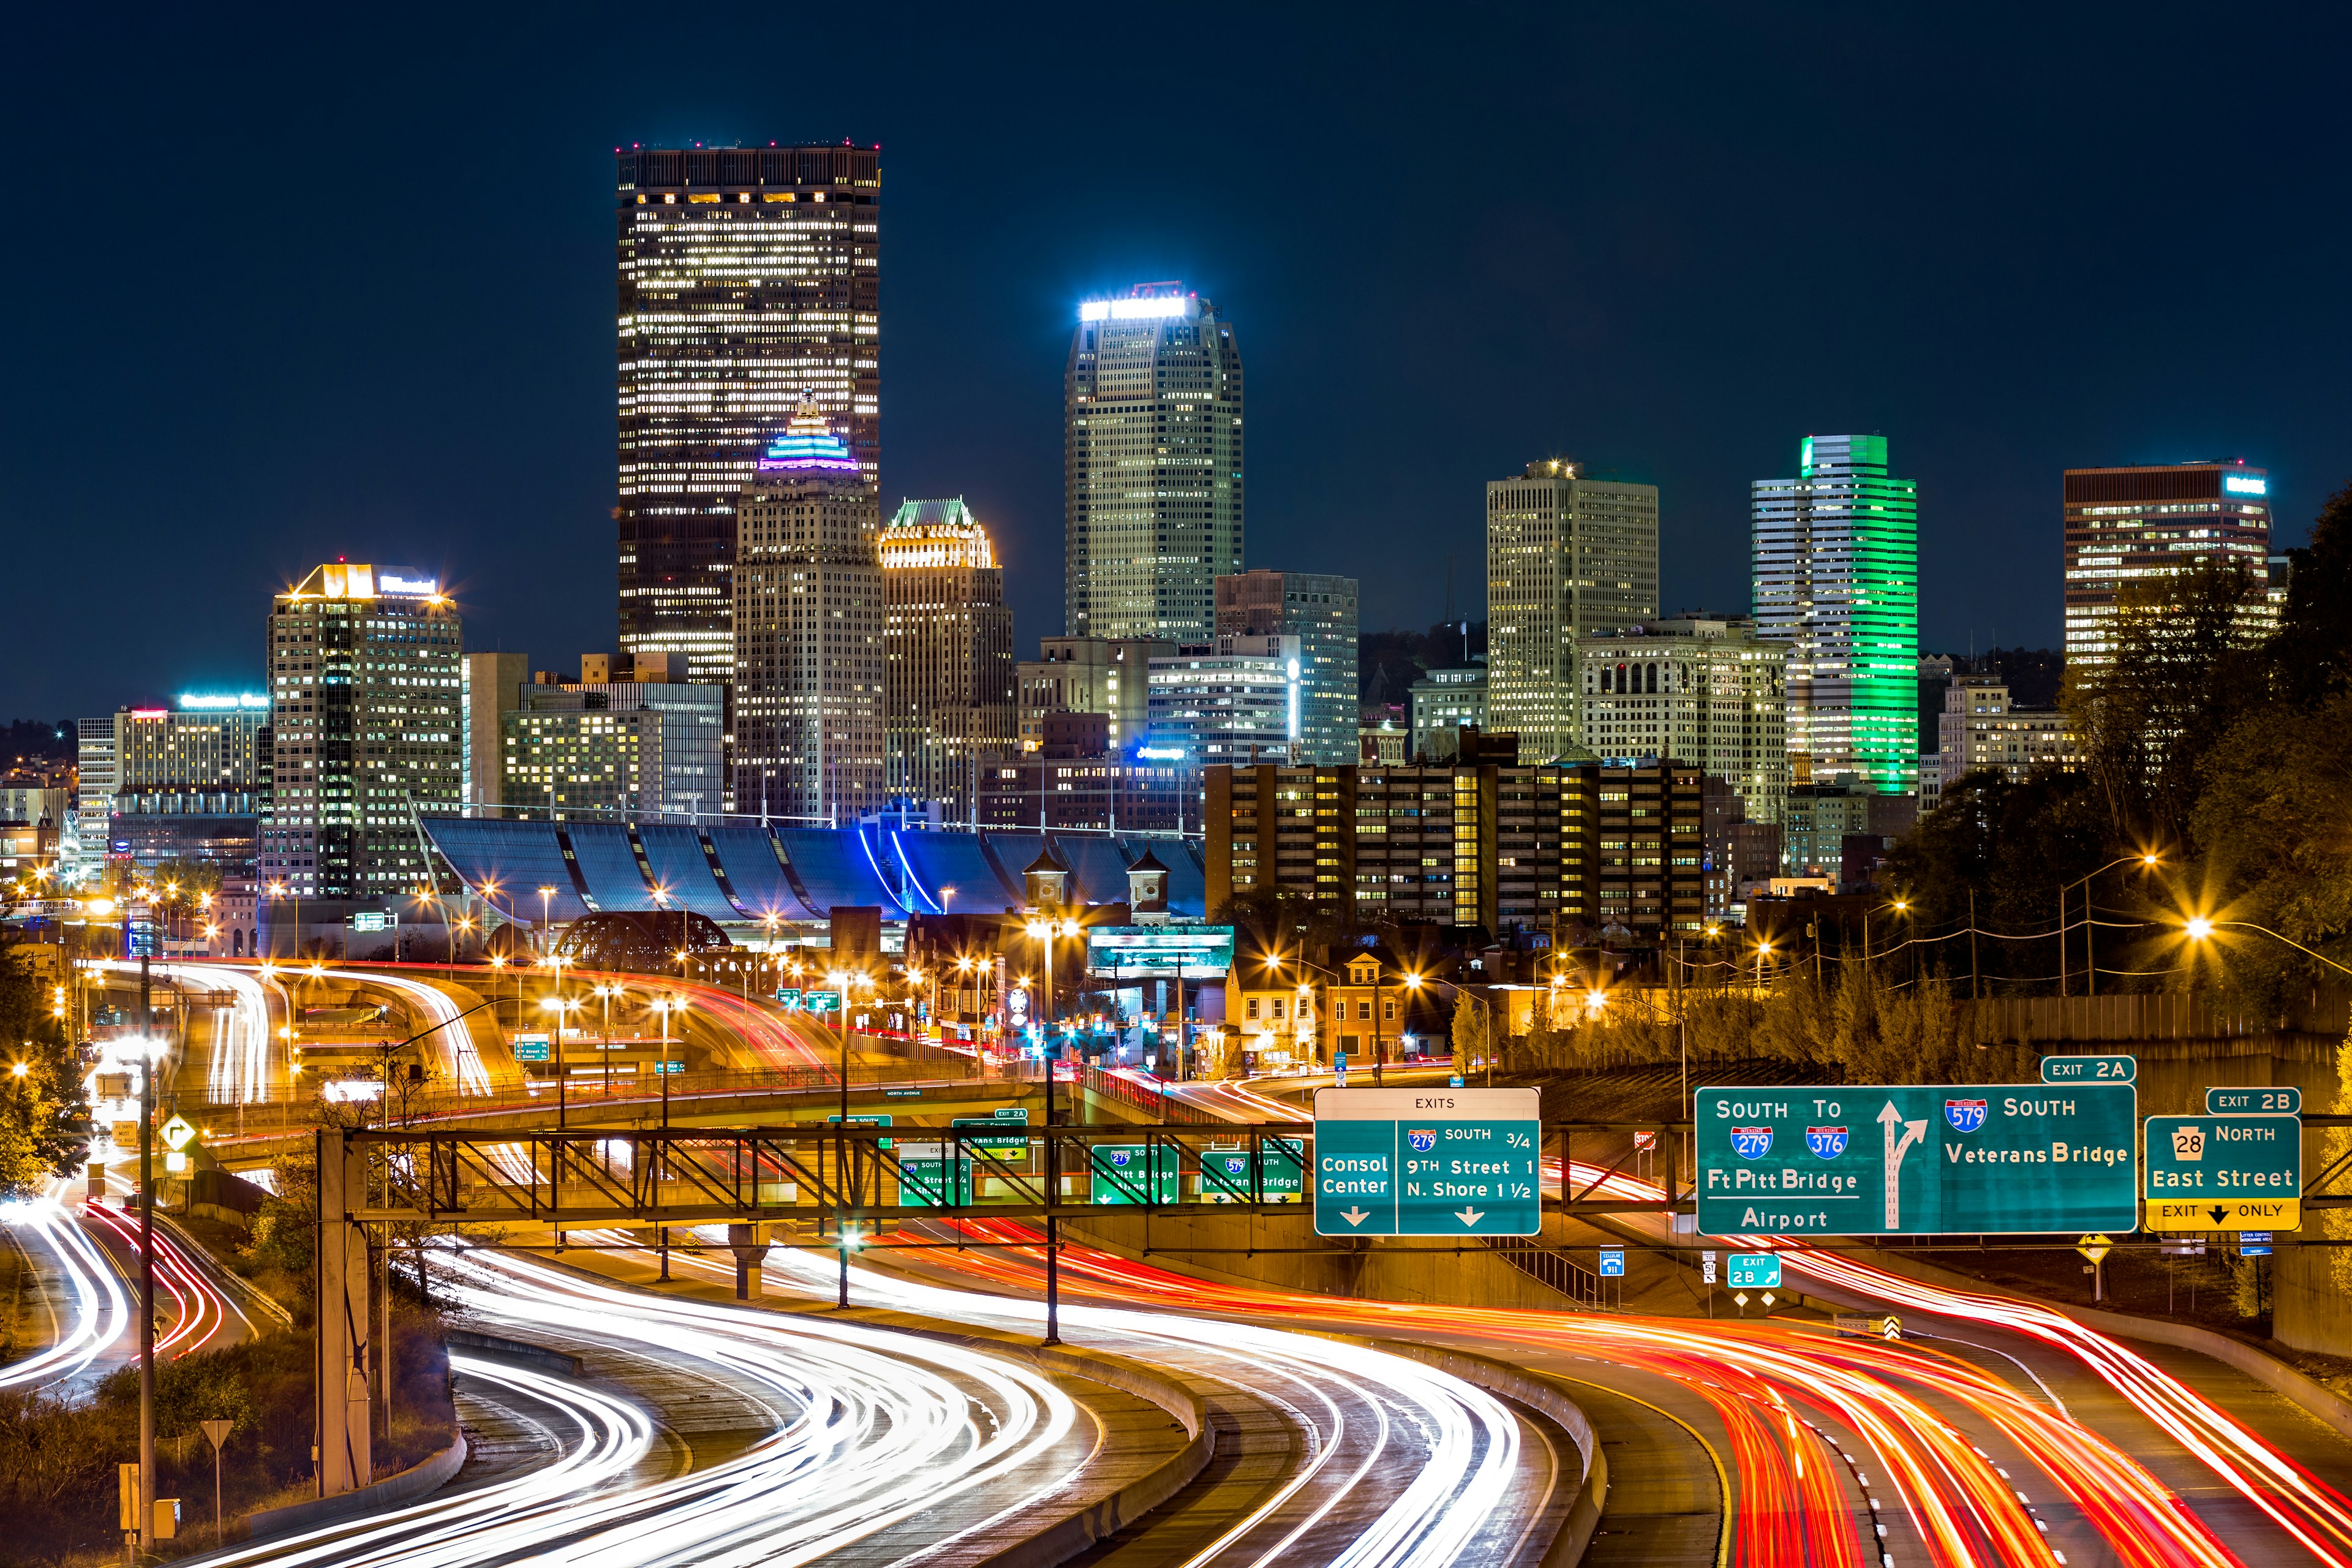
(839, 1441)
(1328, 1453)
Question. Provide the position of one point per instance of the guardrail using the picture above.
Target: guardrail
(587, 1095)
(1146, 1097)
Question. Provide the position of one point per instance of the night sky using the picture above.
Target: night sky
(326, 281)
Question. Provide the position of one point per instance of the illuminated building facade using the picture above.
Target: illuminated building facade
(1580, 848)
(1088, 675)
(1568, 555)
(947, 646)
(1153, 464)
(1837, 578)
(365, 677)
(808, 630)
(1237, 699)
(1701, 690)
(749, 280)
(2127, 524)
(642, 748)
(1320, 610)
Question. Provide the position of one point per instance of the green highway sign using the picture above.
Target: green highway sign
(1753, 1271)
(1133, 1172)
(789, 996)
(1427, 1161)
(1281, 1172)
(2224, 1172)
(902, 1094)
(883, 1120)
(2265, 1100)
(1917, 1159)
(925, 1180)
(2090, 1070)
(821, 1001)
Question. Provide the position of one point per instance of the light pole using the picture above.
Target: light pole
(2146, 862)
(558, 1005)
(605, 994)
(842, 980)
(545, 946)
(1044, 930)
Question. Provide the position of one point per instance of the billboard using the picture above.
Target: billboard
(1151, 953)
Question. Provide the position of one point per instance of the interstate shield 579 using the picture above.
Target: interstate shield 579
(1917, 1159)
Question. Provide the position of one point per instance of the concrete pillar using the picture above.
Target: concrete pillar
(346, 1459)
(750, 1245)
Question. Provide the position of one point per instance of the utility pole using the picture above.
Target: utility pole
(1975, 988)
(146, 1520)
(840, 1159)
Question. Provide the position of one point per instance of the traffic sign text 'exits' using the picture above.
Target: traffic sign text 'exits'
(1427, 1161)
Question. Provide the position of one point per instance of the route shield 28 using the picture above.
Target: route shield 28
(1427, 1161)
(2224, 1172)
(1917, 1159)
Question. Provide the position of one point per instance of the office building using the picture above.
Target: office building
(1578, 850)
(1444, 703)
(1980, 729)
(808, 667)
(1836, 553)
(642, 748)
(1088, 675)
(1825, 814)
(1741, 854)
(750, 281)
(1702, 689)
(1109, 793)
(93, 795)
(2124, 525)
(947, 654)
(1320, 610)
(365, 667)
(1568, 556)
(205, 754)
(1235, 700)
(1152, 466)
(490, 687)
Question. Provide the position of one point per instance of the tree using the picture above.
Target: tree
(2185, 667)
(2313, 652)
(44, 1113)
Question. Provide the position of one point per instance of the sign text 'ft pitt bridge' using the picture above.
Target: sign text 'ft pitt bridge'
(1917, 1159)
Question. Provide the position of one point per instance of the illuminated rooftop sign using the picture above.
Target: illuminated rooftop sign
(2245, 485)
(808, 444)
(349, 580)
(1137, 310)
(390, 582)
(221, 702)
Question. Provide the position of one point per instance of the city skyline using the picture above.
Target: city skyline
(478, 404)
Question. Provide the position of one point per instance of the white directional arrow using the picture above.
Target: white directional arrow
(1355, 1216)
(1913, 1132)
(1469, 1216)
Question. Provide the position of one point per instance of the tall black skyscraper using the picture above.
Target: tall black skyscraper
(750, 282)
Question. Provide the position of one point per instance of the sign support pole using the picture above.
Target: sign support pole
(146, 1520)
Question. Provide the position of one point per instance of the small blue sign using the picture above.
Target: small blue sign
(1752, 1143)
(1965, 1115)
(1612, 1263)
(1828, 1143)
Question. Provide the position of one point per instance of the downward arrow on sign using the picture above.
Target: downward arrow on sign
(1355, 1216)
(2219, 1214)
(1469, 1216)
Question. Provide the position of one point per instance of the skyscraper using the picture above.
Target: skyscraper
(1320, 611)
(1153, 464)
(749, 280)
(1837, 576)
(808, 630)
(947, 649)
(1568, 555)
(364, 678)
(1697, 688)
(2124, 524)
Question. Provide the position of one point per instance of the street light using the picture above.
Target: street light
(2146, 861)
(2202, 928)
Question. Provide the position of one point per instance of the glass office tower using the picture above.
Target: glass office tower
(750, 282)
(1837, 576)
(1152, 466)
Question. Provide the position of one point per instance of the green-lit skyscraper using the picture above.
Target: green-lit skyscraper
(1837, 574)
